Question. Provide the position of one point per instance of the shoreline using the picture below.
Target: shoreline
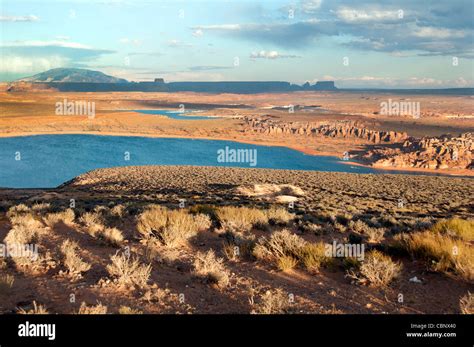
(304, 150)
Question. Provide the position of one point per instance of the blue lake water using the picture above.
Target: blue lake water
(46, 161)
(174, 114)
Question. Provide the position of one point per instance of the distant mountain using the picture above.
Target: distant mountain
(74, 76)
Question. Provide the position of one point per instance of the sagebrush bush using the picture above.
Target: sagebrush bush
(279, 244)
(377, 270)
(272, 302)
(71, 259)
(67, 217)
(240, 219)
(129, 271)
(25, 229)
(171, 227)
(111, 236)
(211, 268)
(17, 210)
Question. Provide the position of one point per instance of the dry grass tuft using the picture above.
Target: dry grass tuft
(93, 309)
(6, 283)
(67, 217)
(211, 268)
(466, 303)
(313, 256)
(377, 269)
(71, 259)
(443, 253)
(37, 309)
(279, 215)
(171, 227)
(455, 227)
(279, 244)
(129, 271)
(111, 236)
(129, 310)
(286, 263)
(240, 219)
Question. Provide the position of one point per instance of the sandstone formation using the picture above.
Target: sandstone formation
(339, 129)
(444, 152)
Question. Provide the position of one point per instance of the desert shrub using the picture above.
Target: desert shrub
(152, 220)
(377, 269)
(279, 244)
(6, 283)
(272, 302)
(129, 310)
(204, 209)
(93, 309)
(17, 210)
(279, 215)
(129, 271)
(466, 303)
(67, 217)
(171, 227)
(90, 219)
(211, 268)
(203, 222)
(443, 253)
(111, 236)
(313, 256)
(240, 218)
(118, 211)
(40, 208)
(71, 259)
(26, 229)
(245, 244)
(286, 263)
(375, 235)
(455, 227)
(37, 309)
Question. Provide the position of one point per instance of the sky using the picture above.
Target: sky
(358, 44)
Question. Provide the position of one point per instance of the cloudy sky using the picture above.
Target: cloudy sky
(366, 43)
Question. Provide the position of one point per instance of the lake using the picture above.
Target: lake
(175, 114)
(46, 161)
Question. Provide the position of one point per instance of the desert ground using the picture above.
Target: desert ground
(225, 240)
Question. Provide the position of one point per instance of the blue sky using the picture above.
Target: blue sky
(367, 43)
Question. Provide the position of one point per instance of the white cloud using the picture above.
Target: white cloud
(31, 65)
(348, 14)
(439, 33)
(52, 43)
(271, 55)
(30, 18)
(197, 33)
